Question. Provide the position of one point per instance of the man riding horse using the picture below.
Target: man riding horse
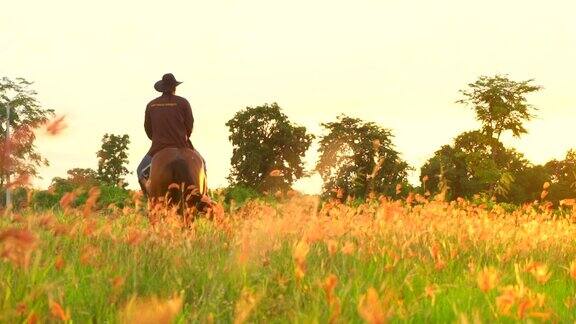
(171, 159)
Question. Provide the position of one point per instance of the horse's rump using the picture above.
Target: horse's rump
(177, 174)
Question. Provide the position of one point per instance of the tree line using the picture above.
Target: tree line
(357, 158)
(20, 159)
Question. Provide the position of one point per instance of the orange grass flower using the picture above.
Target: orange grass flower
(435, 250)
(58, 312)
(372, 309)
(93, 196)
(88, 255)
(332, 246)
(526, 302)
(117, 282)
(56, 126)
(506, 300)
(134, 237)
(299, 254)
(17, 245)
(67, 200)
(329, 285)
(539, 271)
(245, 305)
(59, 263)
(410, 198)
(430, 291)
(542, 274)
(487, 279)
(572, 269)
(32, 318)
(152, 310)
(348, 248)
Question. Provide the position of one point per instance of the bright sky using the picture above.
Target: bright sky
(399, 63)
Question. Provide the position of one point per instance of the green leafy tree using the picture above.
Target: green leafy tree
(479, 150)
(528, 184)
(267, 148)
(563, 177)
(476, 163)
(20, 156)
(514, 168)
(358, 157)
(500, 104)
(447, 164)
(83, 177)
(112, 159)
(78, 178)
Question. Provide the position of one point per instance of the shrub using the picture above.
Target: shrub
(44, 200)
(240, 194)
(47, 199)
(60, 186)
(19, 197)
(113, 195)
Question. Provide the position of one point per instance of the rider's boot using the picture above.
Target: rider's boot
(142, 183)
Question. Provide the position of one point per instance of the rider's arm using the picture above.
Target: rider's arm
(148, 123)
(188, 117)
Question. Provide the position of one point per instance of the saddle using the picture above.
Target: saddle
(145, 181)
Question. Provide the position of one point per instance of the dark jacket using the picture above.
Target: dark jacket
(168, 123)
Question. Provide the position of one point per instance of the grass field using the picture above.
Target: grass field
(294, 261)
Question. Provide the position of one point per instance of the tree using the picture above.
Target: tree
(475, 163)
(562, 177)
(528, 184)
(267, 148)
(112, 159)
(358, 158)
(447, 167)
(19, 155)
(78, 178)
(83, 177)
(478, 162)
(500, 104)
(480, 152)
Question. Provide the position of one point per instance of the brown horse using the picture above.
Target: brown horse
(178, 175)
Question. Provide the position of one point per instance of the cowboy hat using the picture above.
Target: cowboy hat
(168, 81)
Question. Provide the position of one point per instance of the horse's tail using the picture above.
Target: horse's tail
(181, 177)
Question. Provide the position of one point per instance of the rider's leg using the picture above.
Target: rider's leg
(142, 177)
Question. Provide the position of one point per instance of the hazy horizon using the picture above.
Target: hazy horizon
(399, 64)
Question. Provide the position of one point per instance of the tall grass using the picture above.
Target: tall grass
(297, 260)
